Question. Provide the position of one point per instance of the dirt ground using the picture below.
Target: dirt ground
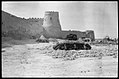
(29, 61)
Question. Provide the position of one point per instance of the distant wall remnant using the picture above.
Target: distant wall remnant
(90, 34)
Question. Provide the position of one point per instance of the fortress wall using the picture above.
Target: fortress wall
(49, 26)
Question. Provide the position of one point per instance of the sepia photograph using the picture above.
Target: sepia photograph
(59, 39)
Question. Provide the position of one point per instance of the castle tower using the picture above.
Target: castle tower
(52, 25)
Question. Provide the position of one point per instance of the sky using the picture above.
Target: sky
(100, 16)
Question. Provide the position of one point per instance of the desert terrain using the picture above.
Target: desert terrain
(40, 60)
(30, 44)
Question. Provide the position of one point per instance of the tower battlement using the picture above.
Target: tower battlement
(51, 12)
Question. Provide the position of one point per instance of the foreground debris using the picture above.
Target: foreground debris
(96, 51)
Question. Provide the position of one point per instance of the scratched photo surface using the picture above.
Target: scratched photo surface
(59, 39)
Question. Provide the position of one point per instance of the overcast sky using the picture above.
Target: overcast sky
(102, 17)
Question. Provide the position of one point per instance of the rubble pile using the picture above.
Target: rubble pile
(42, 41)
(106, 41)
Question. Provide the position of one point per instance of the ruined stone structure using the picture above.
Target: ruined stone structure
(52, 25)
(52, 28)
(49, 26)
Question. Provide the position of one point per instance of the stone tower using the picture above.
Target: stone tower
(52, 25)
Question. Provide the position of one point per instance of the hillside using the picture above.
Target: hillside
(20, 28)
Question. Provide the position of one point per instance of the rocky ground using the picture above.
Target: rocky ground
(40, 60)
